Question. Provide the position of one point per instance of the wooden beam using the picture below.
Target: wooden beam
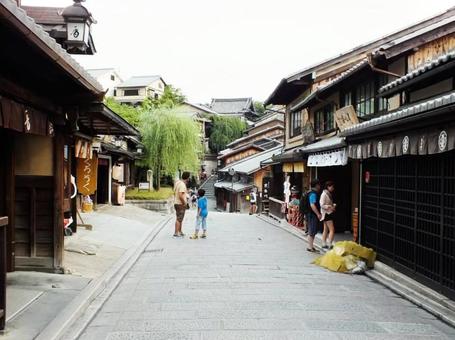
(25, 96)
(59, 143)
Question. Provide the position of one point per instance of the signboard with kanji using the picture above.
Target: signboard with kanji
(86, 175)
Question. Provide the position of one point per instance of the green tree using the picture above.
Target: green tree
(224, 131)
(130, 113)
(171, 98)
(172, 142)
(259, 107)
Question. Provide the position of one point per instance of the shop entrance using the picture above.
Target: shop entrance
(341, 175)
(102, 193)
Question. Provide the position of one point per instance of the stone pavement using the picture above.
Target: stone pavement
(250, 280)
(38, 298)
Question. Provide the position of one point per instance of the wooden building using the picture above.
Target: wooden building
(378, 121)
(47, 102)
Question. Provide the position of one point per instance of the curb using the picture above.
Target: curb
(404, 286)
(72, 321)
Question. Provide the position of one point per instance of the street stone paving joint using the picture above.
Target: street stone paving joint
(250, 280)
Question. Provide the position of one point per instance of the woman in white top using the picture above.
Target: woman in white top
(327, 212)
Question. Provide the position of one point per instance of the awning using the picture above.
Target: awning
(235, 187)
(418, 142)
(329, 158)
(252, 163)
(326, 144)
(291, 155)
(101, 120)
(111, 149)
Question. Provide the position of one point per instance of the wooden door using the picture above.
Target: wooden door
(34, 221)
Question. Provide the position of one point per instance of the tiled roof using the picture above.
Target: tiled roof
(45, 15)
(50, 43)
(140, 81)
(419, 71)
(231, 105)
(411, 110)
(329, 84)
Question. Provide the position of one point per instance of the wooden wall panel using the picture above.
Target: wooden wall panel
(431, 51)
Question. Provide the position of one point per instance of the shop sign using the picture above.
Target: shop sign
(346, 117)
(87, 175)
(329, 158)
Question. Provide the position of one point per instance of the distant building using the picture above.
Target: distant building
(108, 77)
(138, 88)
(234, 107)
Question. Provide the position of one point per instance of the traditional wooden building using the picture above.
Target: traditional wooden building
(381, 128)
(233, 188)
(48, 103)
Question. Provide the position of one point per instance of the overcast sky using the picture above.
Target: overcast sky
(235, 48)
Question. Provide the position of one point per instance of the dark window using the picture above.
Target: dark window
(131, 93)
(346, 99)
(156, 96)
(115, 93)
(323, 119)
(364, 99)
(366, 102)
(112, 77)
(295, 123)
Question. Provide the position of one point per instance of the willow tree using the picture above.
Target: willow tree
(172, 142)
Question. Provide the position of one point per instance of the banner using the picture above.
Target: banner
(87, 175)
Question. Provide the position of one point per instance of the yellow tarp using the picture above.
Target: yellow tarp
(345, 256)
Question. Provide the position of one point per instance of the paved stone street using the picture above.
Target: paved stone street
(251, 280)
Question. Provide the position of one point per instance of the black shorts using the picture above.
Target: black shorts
(328, 217)
(253, 204)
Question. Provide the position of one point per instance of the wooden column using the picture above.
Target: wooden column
(59, 144)
(3, 224)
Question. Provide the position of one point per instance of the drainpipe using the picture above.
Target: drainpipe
(379, 70)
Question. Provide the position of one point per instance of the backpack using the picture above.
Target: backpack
(304, 206)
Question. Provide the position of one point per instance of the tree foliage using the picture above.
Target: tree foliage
(172, 142)
(224, 131)
(259, 107)
(130, 113)
(171, 98)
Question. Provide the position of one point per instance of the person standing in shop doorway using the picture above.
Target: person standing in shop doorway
(253, 202)
(313, 214)
(328, 208)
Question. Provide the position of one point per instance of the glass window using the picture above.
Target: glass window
(364, 102)
(131, 92)
(295, 123)
(324, 120)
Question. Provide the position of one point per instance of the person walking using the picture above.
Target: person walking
(202, 213)
(253, 202)
(313, 214)
(328, 208)
(180, 202)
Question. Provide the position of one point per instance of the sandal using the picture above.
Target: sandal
(312, 250)
(203, 236)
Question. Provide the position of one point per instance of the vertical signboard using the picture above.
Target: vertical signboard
(87, 173)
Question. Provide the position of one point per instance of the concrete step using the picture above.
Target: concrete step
(430, 300)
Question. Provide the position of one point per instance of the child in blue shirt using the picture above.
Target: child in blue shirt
(202, 213)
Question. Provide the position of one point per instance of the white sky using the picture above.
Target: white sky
(235, 48)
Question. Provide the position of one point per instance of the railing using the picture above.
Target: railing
(276, 208)
(3, 224)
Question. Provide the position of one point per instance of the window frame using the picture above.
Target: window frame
(127, 92)
(295, 123)
(327, 113)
